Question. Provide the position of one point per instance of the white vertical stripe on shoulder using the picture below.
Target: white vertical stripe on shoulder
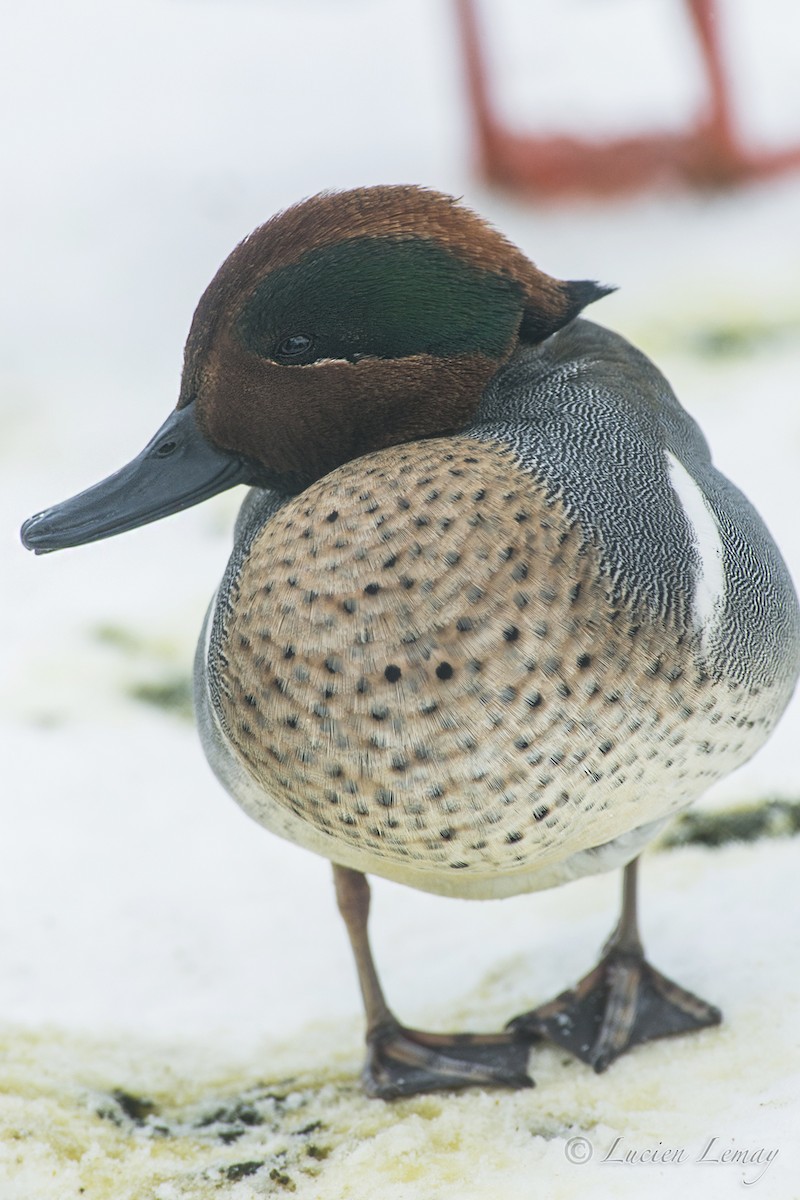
(708, 602)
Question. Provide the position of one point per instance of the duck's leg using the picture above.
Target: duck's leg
(622, 1002)
(400, 1061)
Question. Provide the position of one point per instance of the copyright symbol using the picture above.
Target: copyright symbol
(578, 1150)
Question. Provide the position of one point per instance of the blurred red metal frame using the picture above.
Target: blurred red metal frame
(709, 155)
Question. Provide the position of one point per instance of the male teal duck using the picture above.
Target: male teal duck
(492, 616)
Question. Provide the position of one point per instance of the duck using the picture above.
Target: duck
(492, 617)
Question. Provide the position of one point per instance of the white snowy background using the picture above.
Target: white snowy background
(152, 939)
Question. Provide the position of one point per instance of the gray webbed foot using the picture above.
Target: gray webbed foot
(404, 1062)
(621, 1003)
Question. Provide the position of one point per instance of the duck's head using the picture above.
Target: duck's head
(351, 322)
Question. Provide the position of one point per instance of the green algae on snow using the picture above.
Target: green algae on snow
(743, 823)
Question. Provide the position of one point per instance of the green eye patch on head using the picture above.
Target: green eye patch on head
(380, 297)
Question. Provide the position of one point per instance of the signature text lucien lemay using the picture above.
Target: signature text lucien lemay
(754, 1161)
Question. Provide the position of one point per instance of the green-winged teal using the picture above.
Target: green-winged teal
(491, 618)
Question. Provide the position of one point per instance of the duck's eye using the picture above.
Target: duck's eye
(296, 346)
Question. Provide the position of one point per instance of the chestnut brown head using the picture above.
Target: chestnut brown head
(351, 322)
(357, 320)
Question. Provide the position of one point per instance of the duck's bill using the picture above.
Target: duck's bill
(177, 469)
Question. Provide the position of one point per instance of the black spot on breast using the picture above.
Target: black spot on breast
(511, 633)
(332, 516)
(540, 812)
(372, 589)
(583, 661)
(392, 673)
(390, 562)
(444, 671)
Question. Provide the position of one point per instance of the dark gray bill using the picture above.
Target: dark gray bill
(177, 469)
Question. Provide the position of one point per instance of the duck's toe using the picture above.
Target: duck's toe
(622, 1002)
(404, 1062)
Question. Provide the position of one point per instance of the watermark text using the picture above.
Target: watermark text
(751, 1162)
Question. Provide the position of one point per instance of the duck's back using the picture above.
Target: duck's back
(467, 662)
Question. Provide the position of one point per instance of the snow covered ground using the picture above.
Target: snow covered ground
(178, 1008)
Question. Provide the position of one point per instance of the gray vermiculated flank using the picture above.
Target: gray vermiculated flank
(593, 419)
